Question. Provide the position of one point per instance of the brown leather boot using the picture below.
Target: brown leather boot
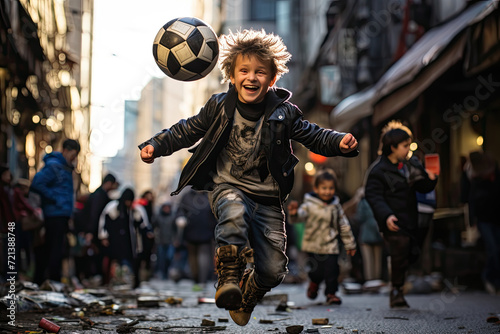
(230, 267)
(312, 290)
(252, 294)
(397, 298)
(332, 299)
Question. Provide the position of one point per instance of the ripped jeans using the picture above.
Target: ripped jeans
(241, 220)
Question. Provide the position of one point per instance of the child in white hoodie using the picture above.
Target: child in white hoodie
(325, 221)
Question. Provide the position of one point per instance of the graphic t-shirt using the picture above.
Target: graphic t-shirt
(242, 162)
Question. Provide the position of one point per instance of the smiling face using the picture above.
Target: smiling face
(252, 78)
(325, 190)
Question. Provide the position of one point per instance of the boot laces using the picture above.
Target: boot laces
(252, 297)
(230, 268)
(251, 293)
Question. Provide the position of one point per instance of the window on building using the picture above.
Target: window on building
(263, 10)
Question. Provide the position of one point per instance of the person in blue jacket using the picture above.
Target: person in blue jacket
(54, 184)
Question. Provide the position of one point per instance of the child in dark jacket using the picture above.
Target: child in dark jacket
(245, 161)
(391, 187)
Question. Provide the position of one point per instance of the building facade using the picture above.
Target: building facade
(44, 81)
(444, 57)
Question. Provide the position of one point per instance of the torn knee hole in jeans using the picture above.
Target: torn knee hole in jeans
(232, 197)
(277, 239)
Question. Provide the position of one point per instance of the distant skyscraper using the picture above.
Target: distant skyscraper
(122, 165)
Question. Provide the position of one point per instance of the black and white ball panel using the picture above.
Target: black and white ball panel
(186, 49)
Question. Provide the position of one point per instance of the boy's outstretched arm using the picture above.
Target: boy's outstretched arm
(147, 154)
(323, 141)
(348, 143)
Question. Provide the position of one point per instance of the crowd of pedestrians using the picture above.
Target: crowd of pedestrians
(113, 237)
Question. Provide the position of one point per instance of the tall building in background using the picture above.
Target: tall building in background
(80, 22)
(123, 166)
(165, 101)
(278, 17)
(44, 81)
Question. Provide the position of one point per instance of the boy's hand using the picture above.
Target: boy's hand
(432, 176)
(351, 252)
(348, 143)
(293, 208)
(391, 223)
(147, 154)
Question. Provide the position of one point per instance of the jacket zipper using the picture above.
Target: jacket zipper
(195, 170)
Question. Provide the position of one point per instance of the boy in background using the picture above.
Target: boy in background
(325, 222)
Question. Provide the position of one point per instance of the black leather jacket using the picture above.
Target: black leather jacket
(283, 122)
(390, 193)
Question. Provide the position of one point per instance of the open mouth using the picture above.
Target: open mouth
(251, 88)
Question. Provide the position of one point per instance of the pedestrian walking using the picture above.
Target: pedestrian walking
(18, 220)
(29, 219)
(179, 268)
(165, 231)
(143, 215)
(245, 160)
(54, 184)
(198, 234)
(91, 262)
(7, 218)
(391, 187)
(481, 190)
(144, 205)
(325, 224)
(371, 243)
(426, 204)
(119, 231)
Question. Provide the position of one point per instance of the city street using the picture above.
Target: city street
(158, 138)
(445, 312)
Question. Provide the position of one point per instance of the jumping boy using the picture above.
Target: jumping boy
(245, 161)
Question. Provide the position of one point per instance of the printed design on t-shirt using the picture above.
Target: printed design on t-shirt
(244, 150)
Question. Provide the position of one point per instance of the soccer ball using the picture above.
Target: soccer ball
(186, 49)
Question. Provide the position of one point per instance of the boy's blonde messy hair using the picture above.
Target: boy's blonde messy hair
(395, 124)
(266, 47)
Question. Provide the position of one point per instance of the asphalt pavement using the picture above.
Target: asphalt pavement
(168, 307)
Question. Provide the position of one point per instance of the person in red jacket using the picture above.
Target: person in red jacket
(7, 216)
